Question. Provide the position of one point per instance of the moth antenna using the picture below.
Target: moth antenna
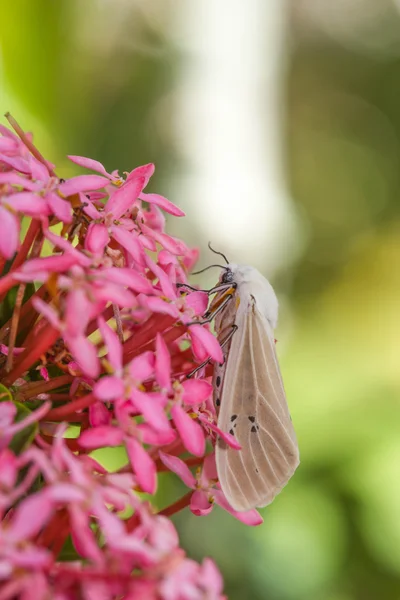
(206, 269)
(220, 253)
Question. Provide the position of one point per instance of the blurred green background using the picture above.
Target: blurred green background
(275, 125)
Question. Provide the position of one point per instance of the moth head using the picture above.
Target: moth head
(227, 275)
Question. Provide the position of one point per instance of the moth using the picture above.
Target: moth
(249, 395)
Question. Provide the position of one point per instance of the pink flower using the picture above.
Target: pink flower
(102, 341)
(206, 489)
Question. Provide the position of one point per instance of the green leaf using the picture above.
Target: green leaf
(5, 394)
(68, 552)
(23, 438)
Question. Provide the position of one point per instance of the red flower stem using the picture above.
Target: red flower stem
(42, 387)
(171, 335)
(46, 338)
(26, 244)
(59, 413)
(6, 283)
(24, 316)
(14, 326)
(176, 506)
(19, 131)
(47, 536)
(147, 332)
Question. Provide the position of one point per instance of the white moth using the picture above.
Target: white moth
(249, 392)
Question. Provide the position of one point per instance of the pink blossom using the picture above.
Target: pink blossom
(102, 341)
(206, 489)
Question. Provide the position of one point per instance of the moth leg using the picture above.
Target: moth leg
(218, 288)
(211, 314)
(223, 287)
(189, 287)
(208, 360)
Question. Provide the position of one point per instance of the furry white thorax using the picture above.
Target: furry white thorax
(250, 283)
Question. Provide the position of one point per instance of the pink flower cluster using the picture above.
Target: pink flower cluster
(99, 336)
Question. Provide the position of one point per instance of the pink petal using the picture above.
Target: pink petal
(209, 471)
(151, 410)
(142, 366)
(66, 492)
(82, 183)
(23, 526)
(157, 305)
(124, 198)
(177, 466)
(145, 171)
(114, 346)
(38, 170)
(77, 312)
(82, 535)
(9, 233)
(129, 278)
(89, 208)
(191, 258)
(249, 517)
(143, 466)
(19, 164)
(163, 364)
(96, 238)
(88, 163)
(9, 467)
(47, 311)
(33, 417)
(200, 504)
(165, 283)
(14, 179)
(173, 245)
(163, 203)
(99, 415)
(227, 437)
(205, 339)
(28, 203)
(49, 264)
(68, 248)
(8, 410)
(7, 145)
(60, 208)
(196, 391)
(197, 301)
(101, 437)
(108, 388)
(166, 258)
(212, 577)
(156, 438)
(85, 354)
(190, 432)
(117, 295)
(129, 241)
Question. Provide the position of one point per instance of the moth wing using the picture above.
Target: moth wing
(254, 409)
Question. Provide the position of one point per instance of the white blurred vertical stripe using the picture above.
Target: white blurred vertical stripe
(228, 126)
